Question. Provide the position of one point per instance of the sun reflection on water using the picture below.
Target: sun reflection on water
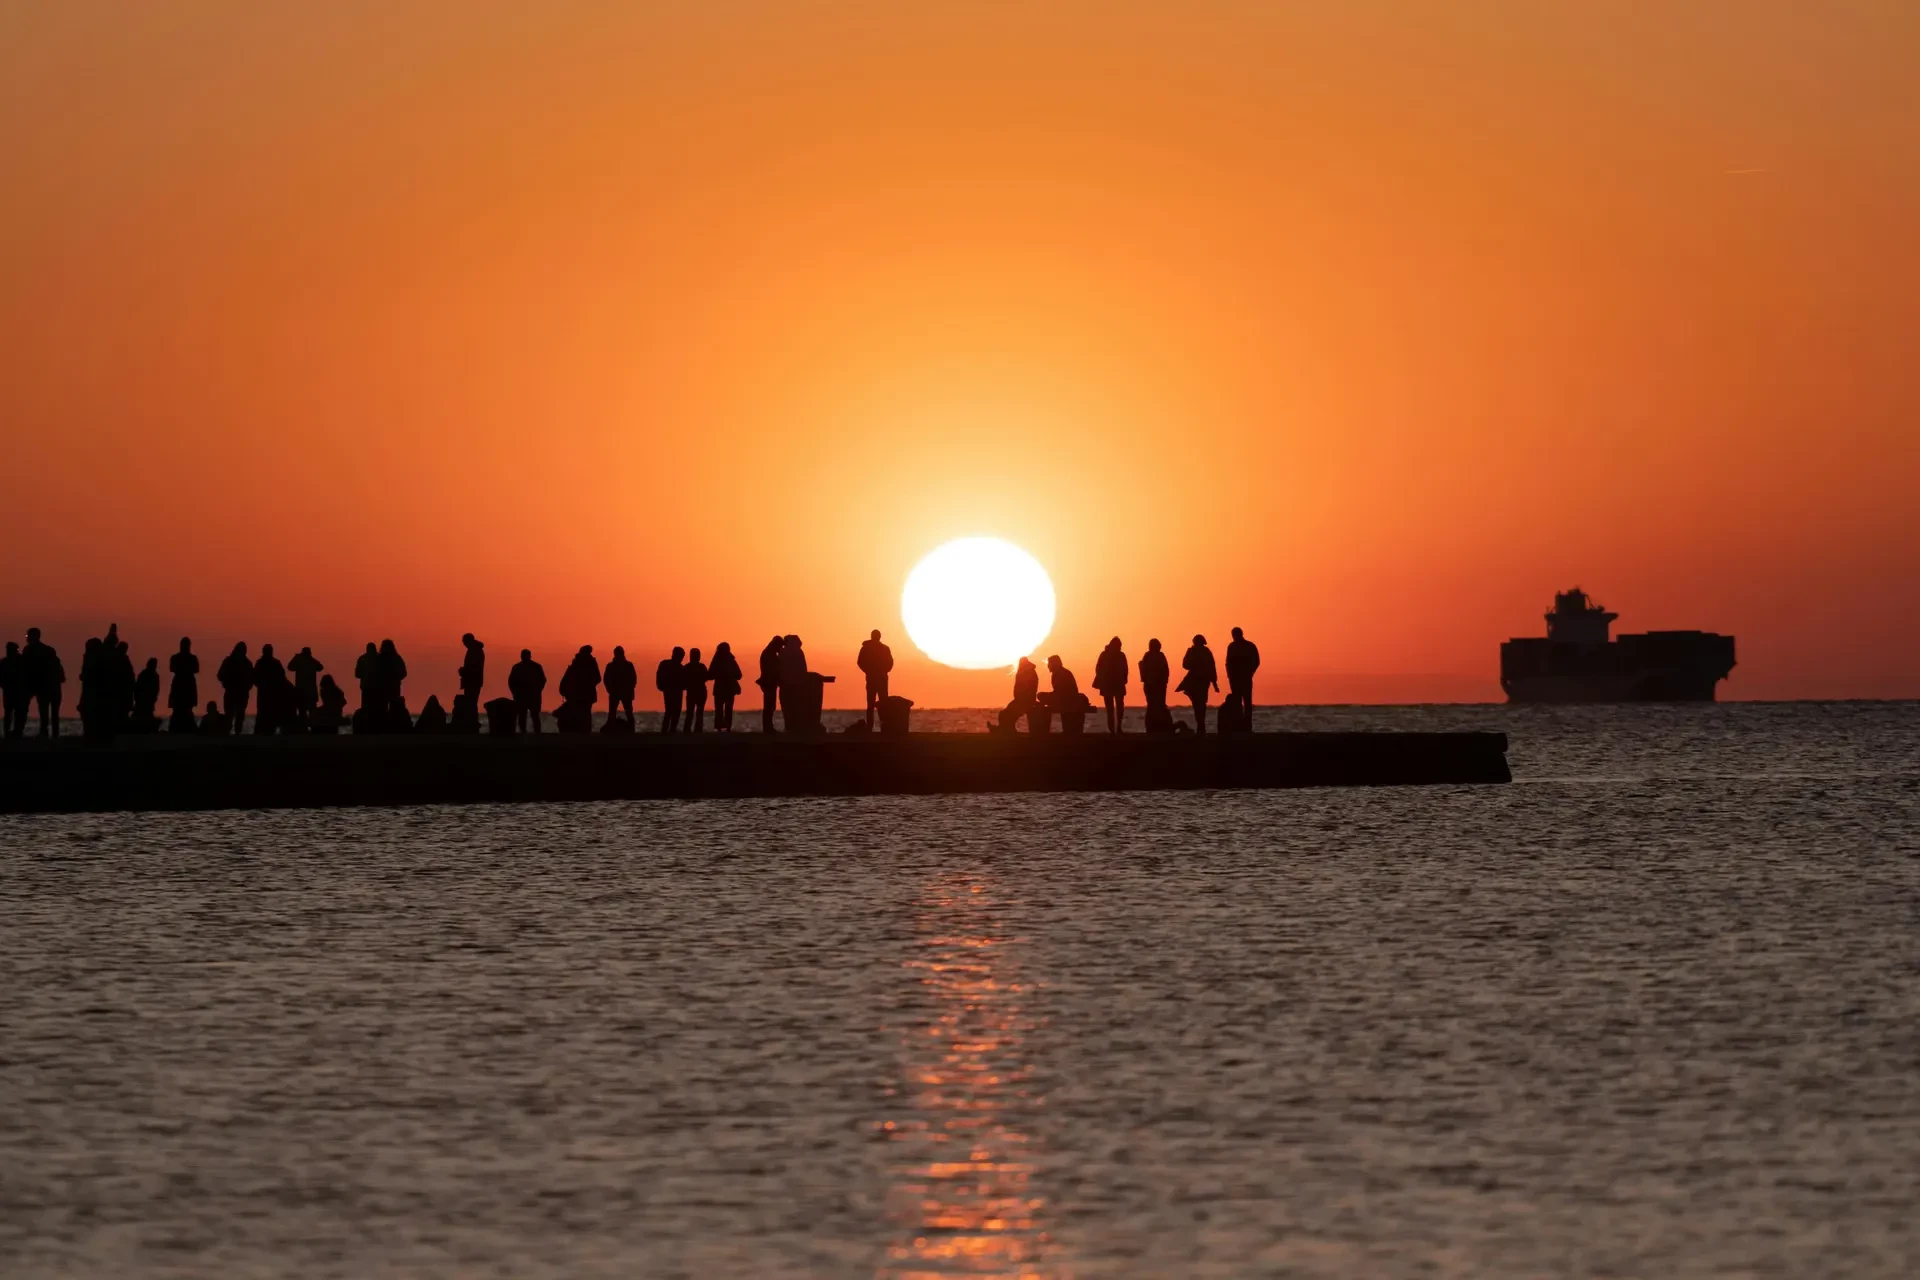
(962, 1191)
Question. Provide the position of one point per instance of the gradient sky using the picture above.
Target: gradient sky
(1364, 325)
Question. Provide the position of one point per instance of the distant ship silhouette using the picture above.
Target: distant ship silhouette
(1578, 662)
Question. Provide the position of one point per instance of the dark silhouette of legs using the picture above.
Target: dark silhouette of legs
(766, 711)
(49, 705)
(696, 716)
(723, 713)
(1116, 708)
(1199, 701)
(670, 717)
(1245, 689)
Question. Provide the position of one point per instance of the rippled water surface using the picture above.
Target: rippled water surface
(1652, 1010)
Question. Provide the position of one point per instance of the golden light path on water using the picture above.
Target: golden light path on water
(961, 1173)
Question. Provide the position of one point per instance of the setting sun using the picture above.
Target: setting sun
(977, 603)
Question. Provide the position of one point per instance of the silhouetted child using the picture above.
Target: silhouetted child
(769, 681)
(622, 681)
(1201, 676)
(726, 673)
(875, 662)
(1243, 659)
(526, 682)
(183, 692)
(666, 678)
(693, 679)
(236, 685)
(332, 711)
(1110, 679)
(215, 721)
(305, 670)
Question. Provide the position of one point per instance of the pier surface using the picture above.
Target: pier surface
(161, 772)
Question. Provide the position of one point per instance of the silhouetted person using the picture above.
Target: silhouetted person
(526, 682)
(1065, 696)
(215, 721)
(465, 716)
(1110, 678)
(622, 681)
(146, 698)
(1026, 701)
(45, 675)
(13, 692)
(332, 711)
(726, 673)
(579, 690)
(473, 671)
(373, 696)
(666, 678)
(273, 696)
(693, 678)
(1243, 659)
(433, 717)
(393, 673)
(305, 670)
(875, 661)
(236, 684)
(1201, 676)
(769, 681)
(183, 691)
(125, 678)
(1153, 687)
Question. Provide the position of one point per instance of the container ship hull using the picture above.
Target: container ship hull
(1577, 661)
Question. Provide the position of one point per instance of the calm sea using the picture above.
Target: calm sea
(1653, 1010)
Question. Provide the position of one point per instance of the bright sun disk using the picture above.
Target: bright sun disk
(977, 603)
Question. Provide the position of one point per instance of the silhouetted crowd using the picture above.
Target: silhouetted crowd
(299, 696)
(1110, 678)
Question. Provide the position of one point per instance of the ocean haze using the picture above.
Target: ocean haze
(1653, 1009)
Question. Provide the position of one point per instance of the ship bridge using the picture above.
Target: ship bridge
(1577, 619)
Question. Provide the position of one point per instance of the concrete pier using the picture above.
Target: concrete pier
(162, 772)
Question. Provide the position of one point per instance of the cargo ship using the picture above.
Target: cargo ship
(1580, 661)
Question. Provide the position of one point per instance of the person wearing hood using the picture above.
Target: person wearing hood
(473, 671)
(769, 681)
(1110, 678)
(236, 685)
(726, 673)
(1201, 675)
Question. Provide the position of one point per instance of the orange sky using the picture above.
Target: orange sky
(1363, 325)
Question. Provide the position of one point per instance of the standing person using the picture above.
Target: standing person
(876, 660)
(769, 681)
(622, 682)
(1243, 659)
(726, 673)
(693, 679)
(125, 683)
(13, 692)
(273, 695)
(44, 676)
(666, 678)
(473, 671)
(236, 682)
(93, 690)
(305, 670)
(393, 674)
(366, 671)
(526, 682)
(146, 697)
(183, 693)
(1201, 675)
(796, 701)
(579, 690)
(1110, 678)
